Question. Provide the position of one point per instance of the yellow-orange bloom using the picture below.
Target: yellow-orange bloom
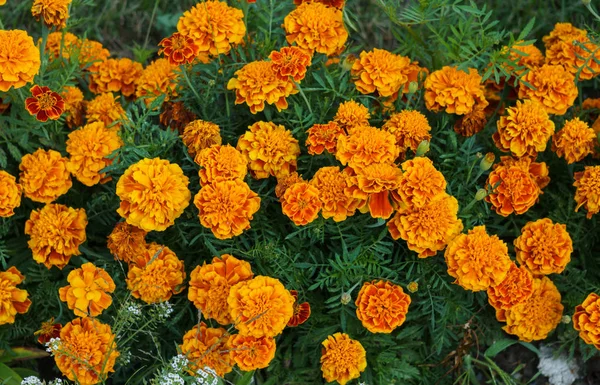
(316, 27)
(260, 307)
(570, 47)
(591, 104)
(251, 353)
(586, 320)
(527, 56)
(89, 291)
(342, 358)
(55, 232)
(200, 134)
(153, 193)
(158, 78)
(587, 194)
(455, 91)
(323, 137)
(107, 109)
(44, 175)
(421, 182)
(477, 260)
(10, 194)
(91, 54)
(210, 285)
(471, 123)
(410, 128)
(127, 242)
(381, 306)
(87, 351)
(116, 75)
(516, 288)
(204, 346)
(178, 49)
(19, 59)
(290, 61)
(285, 182)
(336, 193)
(74, 106)
(563, 32)
(54, 13)
(367, 145)
(301, 203)
(554, 88)
(377, 181)
(351, 114)
(156, 275)
(524, 129)
(13, 299)
(226, 208)
(61, 44)
(575, 141)
(221, 163)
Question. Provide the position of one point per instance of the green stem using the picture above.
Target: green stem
(151, 23)
(189, 82)
(303, 97)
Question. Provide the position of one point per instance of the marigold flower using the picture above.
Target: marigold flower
(409, 127)
(427, 229)
(156, 275)
(367, 145)
(91, 54)
(61, 44)
(13, 299)
(285, 182)
(316, 27)
(586, 320)
(116, 75)
(48, 330)
(74, 106)
(587, 194)
(575, 141)
(290, 61)
(87, 351)
(260, 307)
(336, 191)
(158, 78)
(524, 129)
(554, 88)
(332, 3)
(107, 109)
(176, 116)
(381, 306)
(524, 55)
(10, 194)
(591, 104)
(251, 353)
(210, 285)
(377, 180)
(301, 203)
(199, 135)
(421, 182)
(516, 288)
(53, 12)
(351, 114)
(127, 242)
(44, 104)
(227, 207)
(535, 318)
(178, 49)
(44, 176)
(570, 47)
(55, 232)
(342, 358)
(563, 32)
(19, 59)
(207, 347)
(323, 137)
(221, 163)
(89, 291)
(301, 311)
(471, 123)
(455, 91)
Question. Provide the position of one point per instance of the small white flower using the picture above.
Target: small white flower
(134, 309)
(163, 310)
(179, 362)
(206, 376)
(560, 370)
(57, 381)
(32, 380)
(53, 345)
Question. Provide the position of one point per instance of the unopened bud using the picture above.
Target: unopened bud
(413, 87)
(413, 287)
(423, 148)
(346, 298)
(586, 2)
(487, 161)
(565, 319)
(348, 62)
(481, 194)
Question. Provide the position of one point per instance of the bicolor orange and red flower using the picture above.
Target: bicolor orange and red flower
(377, 181)
(220, 163)
(10, 194)
(571, 47)
(365, 146)
(54, 13)
(251, 353)
(586, 320)
(516, 288)
(48, 330)
(74, 106)
(107, 109)
(19, 59)
(116, 75)
(44, 104)
(554, 86)
(200, 134)
(291, 62)
(351, 114)
(44, 175)
(88, 292)
(342, 358)
(410, 127)
(301, 311)
(454, 91)
(472, 123)
(207, 347)
(421, 182)
(158, 78)
(381, 306)
(337, 193)
(127, 242)
(587, 194)
(178, 49)
(574, 141)
(301, 203)
(13, 300)
(323, 137)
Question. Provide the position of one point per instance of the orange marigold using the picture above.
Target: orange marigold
(377, 180)
(421, 182)
(153, 193)
(205, 346)
(12, 299)
(342, 358)
(116, 75)
(570, 47)
(158, 78)
(126, 242)
(107, 109)
(516, 288)
(301, 203)
(323, 137)
(91, 54)
(61, 45)
(260, 307)
(381, 306)
(210, 285)
(301, 311)
(477, 260)
(10, 194)
(55, 232)
(525, 56)
(591, 104)
(290, 61)
(52, 12)
(44, 175)
(251, 353)
(455, 91)
(200, 134)
(351, 114)
(74, 106)
(586, 320)
(89, 291)
(575, 141)
(19, 59)
(554, 88)
(178, 49)
(285, 182)
(221, 163)
(410, 128)
(587, 194)
(367, 145)
(471, 123)
(226, 208)
(44, 104)
(336, 193)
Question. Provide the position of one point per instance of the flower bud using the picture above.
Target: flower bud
(565, 319)
(481, 194)
(348, 62)
(413, 87)
(346, 298)
(423, 148)
(586, 2)
(413, 287)
(487, 161)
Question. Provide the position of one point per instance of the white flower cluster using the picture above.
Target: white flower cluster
(206, 376)
(560, 370)
(170, 379)
(179, 363)
(53, 345)
(57, 381)
(163, 310)
(32, 380)
(133, 309)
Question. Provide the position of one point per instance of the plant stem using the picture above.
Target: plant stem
(151, 23)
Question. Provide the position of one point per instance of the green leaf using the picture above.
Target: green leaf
(526, 30)
(246, 379)
(9, 376)
(20, 354)
(498, 347)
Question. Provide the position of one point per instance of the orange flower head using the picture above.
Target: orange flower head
(205, 346)
(586, 320)
(251, 353)
(19, 59)
(516, 288)
(591, 104)
(200, 134)
(12, 299)
(381, 306)
(366, 145)
(301, 311)
(587, 194)
(127, 242)
(107, 109)
(271, 150)
(323, 137)
(89, 291)
(156, 275)
(176, 116)
(44, 176)
(226, 208)
(87, 351)
(337, 193)
(332, 3)
(91, 54)
(377, 180)
(285, 182)
(342, 358)
(575, 141)
(554, 88)
(351, 114)
(526, 56)
(455, 91)
(153, 193)
(563, 32)
(570, 47)
(158, 78)
(316, 27)
(471, 123)
(421, 182)
(74, 106)
(260, 307)
(427, 229)
(291, 61)
(54, 13)
(116, 75)
(221, 163)
(210, 285)
(544, 247)
(178, 49)
(44, 104)
(48, 330)
(301, 203)
(61, 45)
(410, 128)
(10, 194)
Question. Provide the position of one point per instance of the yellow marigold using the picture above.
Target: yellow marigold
(524, 55)
(107, 109)
(342, 358)
(52, 12)
(409, 127)
(44, 175)
(351, 114)
(535, 318)
(516, 288)
(158, 78)
(91, 54)
(270, 150)
(214, 26)
(291, 61)
(365, 146)
(377, 181)
(323, 137)
(87, 351)
(207, 347)
(13, 299)
(563, 32)
(257, 82)
(61, 44)
(591, 103)
(153, 193)
(126, 242)
(156, 275)
(116, 75)
(200, 134)
(316, 27)
(226, 208)
(285, 182)
(477, 260)
(260, 307)
(455, 91)
(554, 88)
(336, 193)
(471, 123)
(587, 194)
(19, 59)
(381, 306)
(575, 141)
(251, 353)
(74, 106)
(89, 291)
(55, 232)
(421, 182)
(570, 47)
(10, 194)
(586, 320)
(524, 129)
(301, 203)
(427, 229)
(517, 185)
(221, 163)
